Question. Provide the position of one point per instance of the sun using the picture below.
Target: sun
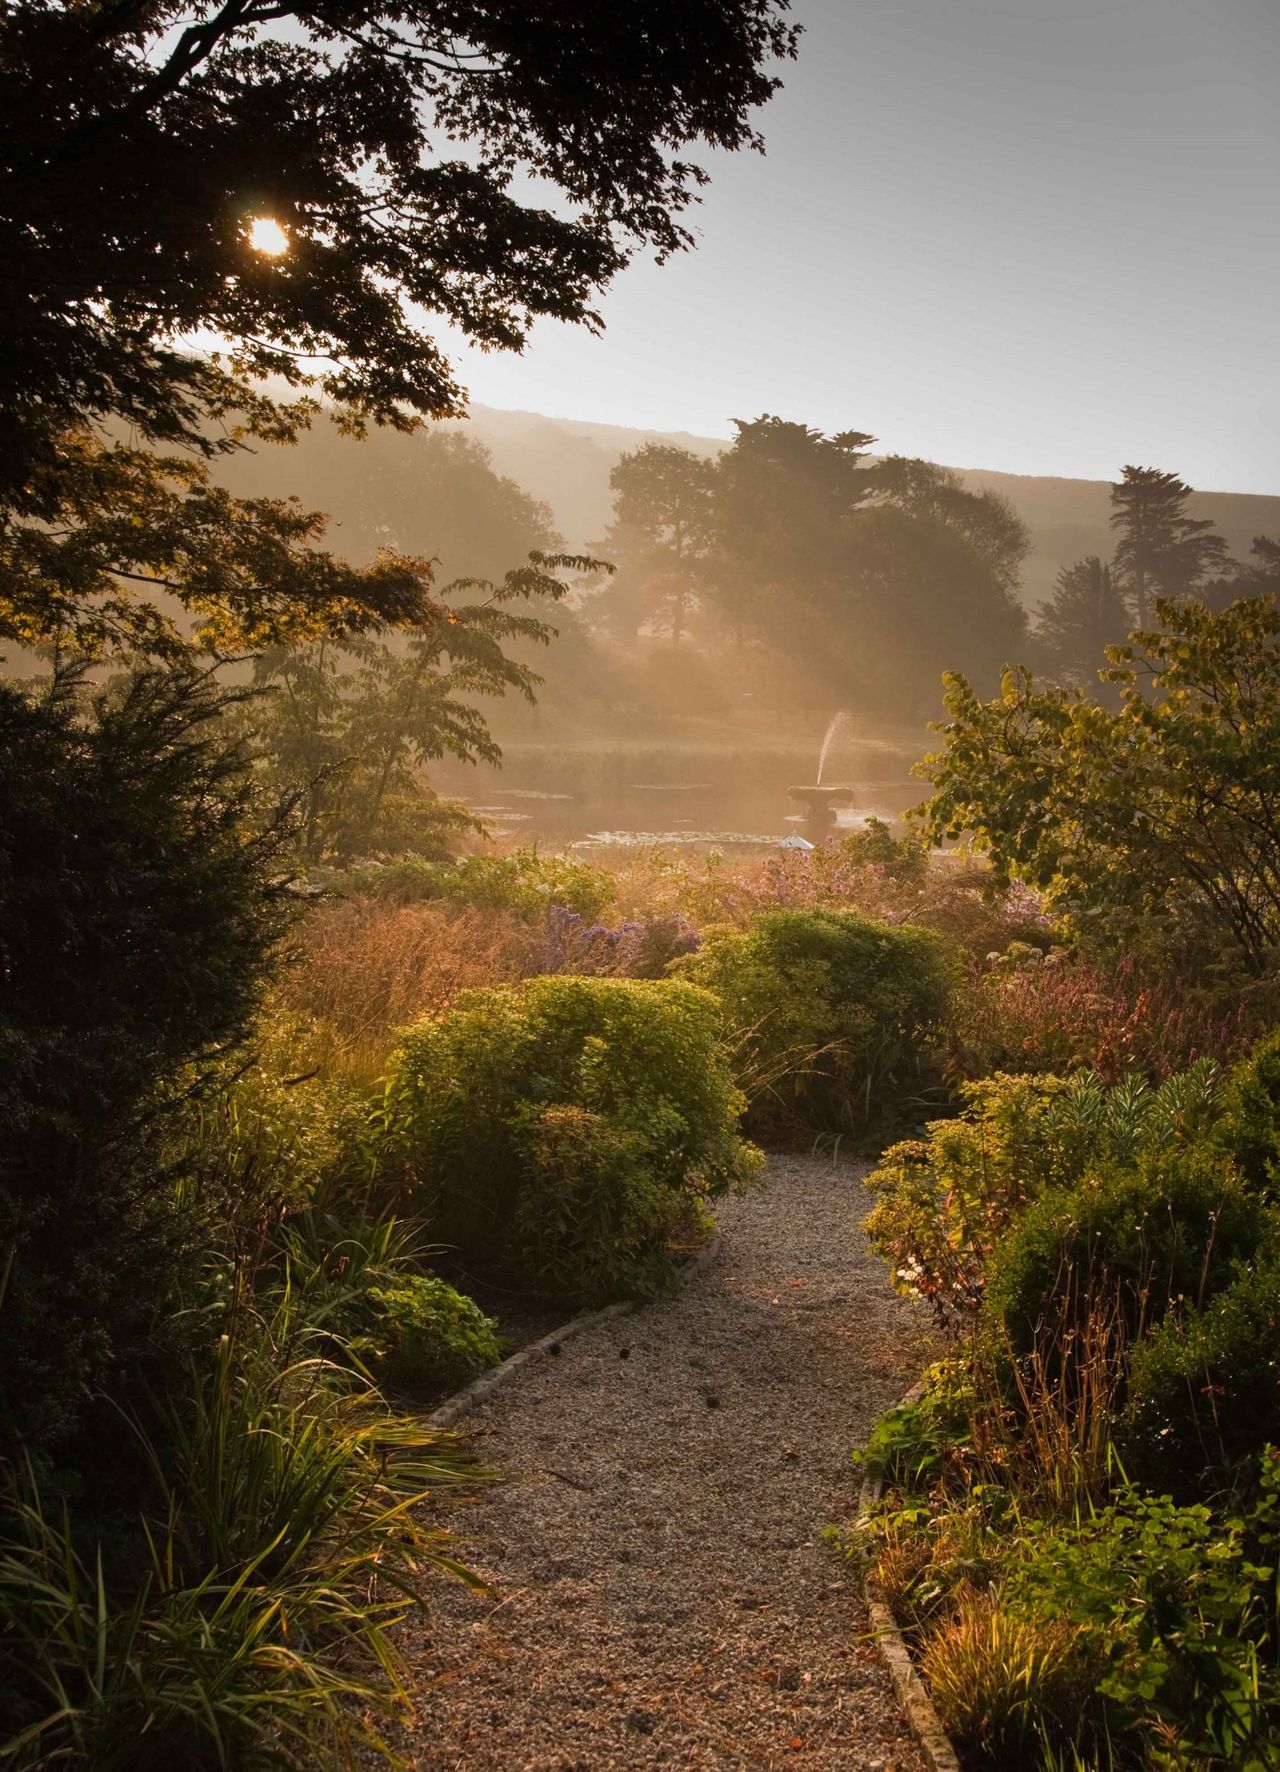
(268, 237)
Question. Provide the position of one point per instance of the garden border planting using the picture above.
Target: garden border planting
(912, 1693)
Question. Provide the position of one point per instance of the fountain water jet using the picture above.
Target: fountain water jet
(820, 802)
(837, 721)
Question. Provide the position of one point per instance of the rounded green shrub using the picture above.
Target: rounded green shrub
(430, 1336)
(834, 1016)
(559, 1131)
(1171, 1229)
(1250, 1128)
(1204, 1389)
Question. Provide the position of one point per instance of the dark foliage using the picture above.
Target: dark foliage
(390, 141)
(876, 576)
(135, 920)
(1086, 614)
(1204, 1389)
(138, 552)
(1250, 1130)
(1168, 1231)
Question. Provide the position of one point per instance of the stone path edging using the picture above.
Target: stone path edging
(913, 1695)
(467, 1401)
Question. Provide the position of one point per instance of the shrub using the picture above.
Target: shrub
(904, 859)
(255, 1141)
(137, 915)
(558, 1132)
(834, 1016)
(1250, 1132)
(362, 1277)
(910, 1444)
(1204, 1389)
(429, 1336)
(1175, 1609)
(1166, 1232)
(944, 1203)
(1110, 1632)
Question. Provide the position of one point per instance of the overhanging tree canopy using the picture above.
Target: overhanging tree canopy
(480, 162)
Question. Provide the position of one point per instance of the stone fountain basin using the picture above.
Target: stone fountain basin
(822, 797)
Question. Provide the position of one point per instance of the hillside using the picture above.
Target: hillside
(567, 463)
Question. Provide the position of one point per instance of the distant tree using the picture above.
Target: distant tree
(1085, 615)
(1160, 551)
(986, 520)
(434, 494)
(1262, 574)
(918, 600)
(662, 534)
(1256, 577)
(399, 147)
(784, 497)
(785, 491)
(872, 578)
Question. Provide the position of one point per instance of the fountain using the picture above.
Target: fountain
(818, 801)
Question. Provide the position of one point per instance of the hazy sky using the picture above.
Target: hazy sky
(1035, 235)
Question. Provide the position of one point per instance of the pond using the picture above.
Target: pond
(600, 794)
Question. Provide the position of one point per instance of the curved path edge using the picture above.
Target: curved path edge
(913, 1694)
(473, 1396)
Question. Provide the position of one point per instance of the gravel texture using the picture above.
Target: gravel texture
(661, 1593)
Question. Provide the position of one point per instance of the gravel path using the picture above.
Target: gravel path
(662, 1594)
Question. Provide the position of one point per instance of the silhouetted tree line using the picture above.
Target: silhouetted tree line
(860, 580)
(1160, 553)
(866, 579)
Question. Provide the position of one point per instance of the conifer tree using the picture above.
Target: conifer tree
(1085, 615)
(1161, 551)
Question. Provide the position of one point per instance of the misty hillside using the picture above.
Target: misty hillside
(565, 464)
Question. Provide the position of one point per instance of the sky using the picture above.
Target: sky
(1041, 236)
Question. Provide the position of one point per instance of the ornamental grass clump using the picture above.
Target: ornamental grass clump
(245, 1617)
(363, 968)
(1002, 1683)
(1026, 1009)
(558, 1134)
